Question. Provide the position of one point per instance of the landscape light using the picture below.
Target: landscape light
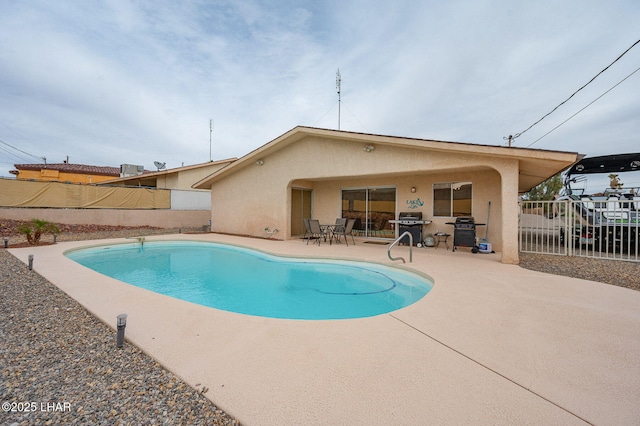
(31, 262)
(122, 323)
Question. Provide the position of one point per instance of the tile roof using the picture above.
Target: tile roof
(73, 168)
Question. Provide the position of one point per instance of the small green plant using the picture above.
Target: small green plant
(35, 228)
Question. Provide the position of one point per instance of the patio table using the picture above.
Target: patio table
(328, 230)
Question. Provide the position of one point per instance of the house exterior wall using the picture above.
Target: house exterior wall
(258, 196)
(181, 178)
(327, 198)
(190, 200)
(185, 178)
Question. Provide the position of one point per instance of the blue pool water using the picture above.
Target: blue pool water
(251, 282)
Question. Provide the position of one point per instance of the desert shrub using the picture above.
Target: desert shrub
(35, 228)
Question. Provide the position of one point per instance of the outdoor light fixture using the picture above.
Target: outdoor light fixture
(413, 189)
(368, 148)
(122, 323)
(6, 242)
(31, 262)
(260, 162)
(55, 238)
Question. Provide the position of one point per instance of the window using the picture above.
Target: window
(452, 199)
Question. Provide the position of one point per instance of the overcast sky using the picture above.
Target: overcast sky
(113, 82)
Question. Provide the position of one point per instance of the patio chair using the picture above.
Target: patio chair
(307, 231)
(358, 227)
(316, 231)
(345, 231)
(379, 227)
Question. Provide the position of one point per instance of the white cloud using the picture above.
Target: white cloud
(120, 82)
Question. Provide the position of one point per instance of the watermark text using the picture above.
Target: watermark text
(32, 406)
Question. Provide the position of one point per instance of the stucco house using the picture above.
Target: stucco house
(326, 174)
(180, 181)
(177, 178)
(65, 172)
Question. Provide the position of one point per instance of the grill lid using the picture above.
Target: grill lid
(410, 216)
(465, 220)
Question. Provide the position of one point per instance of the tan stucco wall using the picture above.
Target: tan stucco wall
(255, 197)
(185, 178)
(180, 178)
(156, 218)
(49, 175)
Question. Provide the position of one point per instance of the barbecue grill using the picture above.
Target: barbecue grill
(464, 233)
(412, 222)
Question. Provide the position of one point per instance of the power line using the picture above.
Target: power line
(588, 105)
(13, 130)
(19, 150)
(512, 137)
(9, 157)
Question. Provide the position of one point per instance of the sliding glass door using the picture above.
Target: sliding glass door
(372, 208)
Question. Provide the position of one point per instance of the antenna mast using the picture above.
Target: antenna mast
(338, 84)
(210, 133)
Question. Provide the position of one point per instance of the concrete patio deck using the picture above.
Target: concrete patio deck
(490, 344)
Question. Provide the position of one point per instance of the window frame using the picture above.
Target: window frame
(452, 187)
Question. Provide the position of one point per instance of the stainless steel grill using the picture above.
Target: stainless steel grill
(464, 233)
(412, 222)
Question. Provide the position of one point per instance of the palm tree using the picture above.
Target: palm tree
(614, 182)
(35, 228)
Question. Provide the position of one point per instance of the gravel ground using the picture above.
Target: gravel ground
(615, 272)
(62, 364)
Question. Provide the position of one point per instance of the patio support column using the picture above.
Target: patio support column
(509, 175)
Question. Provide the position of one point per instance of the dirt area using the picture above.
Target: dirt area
(9, 230)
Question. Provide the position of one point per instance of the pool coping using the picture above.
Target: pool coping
(405, 286)
(490, 343)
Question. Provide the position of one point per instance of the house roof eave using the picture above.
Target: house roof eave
(527, 156)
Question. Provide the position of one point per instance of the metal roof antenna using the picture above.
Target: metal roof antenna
(338, 87)
(210, 133)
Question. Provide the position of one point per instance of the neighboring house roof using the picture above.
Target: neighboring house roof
(72, 168)
(535, 165)
(151, 175)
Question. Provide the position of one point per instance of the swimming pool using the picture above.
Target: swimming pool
(251, 282)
